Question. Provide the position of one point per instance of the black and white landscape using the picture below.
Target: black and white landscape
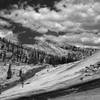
(49, 49)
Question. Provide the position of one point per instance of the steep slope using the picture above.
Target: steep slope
(35, 54)
(48, 48)
(57, 78)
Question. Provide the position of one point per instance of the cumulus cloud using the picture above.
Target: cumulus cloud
(4, 23)
(71, 15)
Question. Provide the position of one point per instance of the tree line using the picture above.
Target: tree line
(78, 53)
(17, 52)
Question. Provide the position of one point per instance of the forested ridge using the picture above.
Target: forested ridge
(41, 53)
(19, 53)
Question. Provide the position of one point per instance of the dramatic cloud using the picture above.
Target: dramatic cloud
(70, 15)
(4, 23)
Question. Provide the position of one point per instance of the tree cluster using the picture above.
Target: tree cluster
(77, 53)
(19, 53)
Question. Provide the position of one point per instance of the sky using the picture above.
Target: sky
(57, 15)
(67, 15)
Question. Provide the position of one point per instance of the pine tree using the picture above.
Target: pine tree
(9, 72)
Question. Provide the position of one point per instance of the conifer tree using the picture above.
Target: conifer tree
(9, 72)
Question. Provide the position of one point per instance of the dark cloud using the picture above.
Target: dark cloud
(9, 3)
(24, 35)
